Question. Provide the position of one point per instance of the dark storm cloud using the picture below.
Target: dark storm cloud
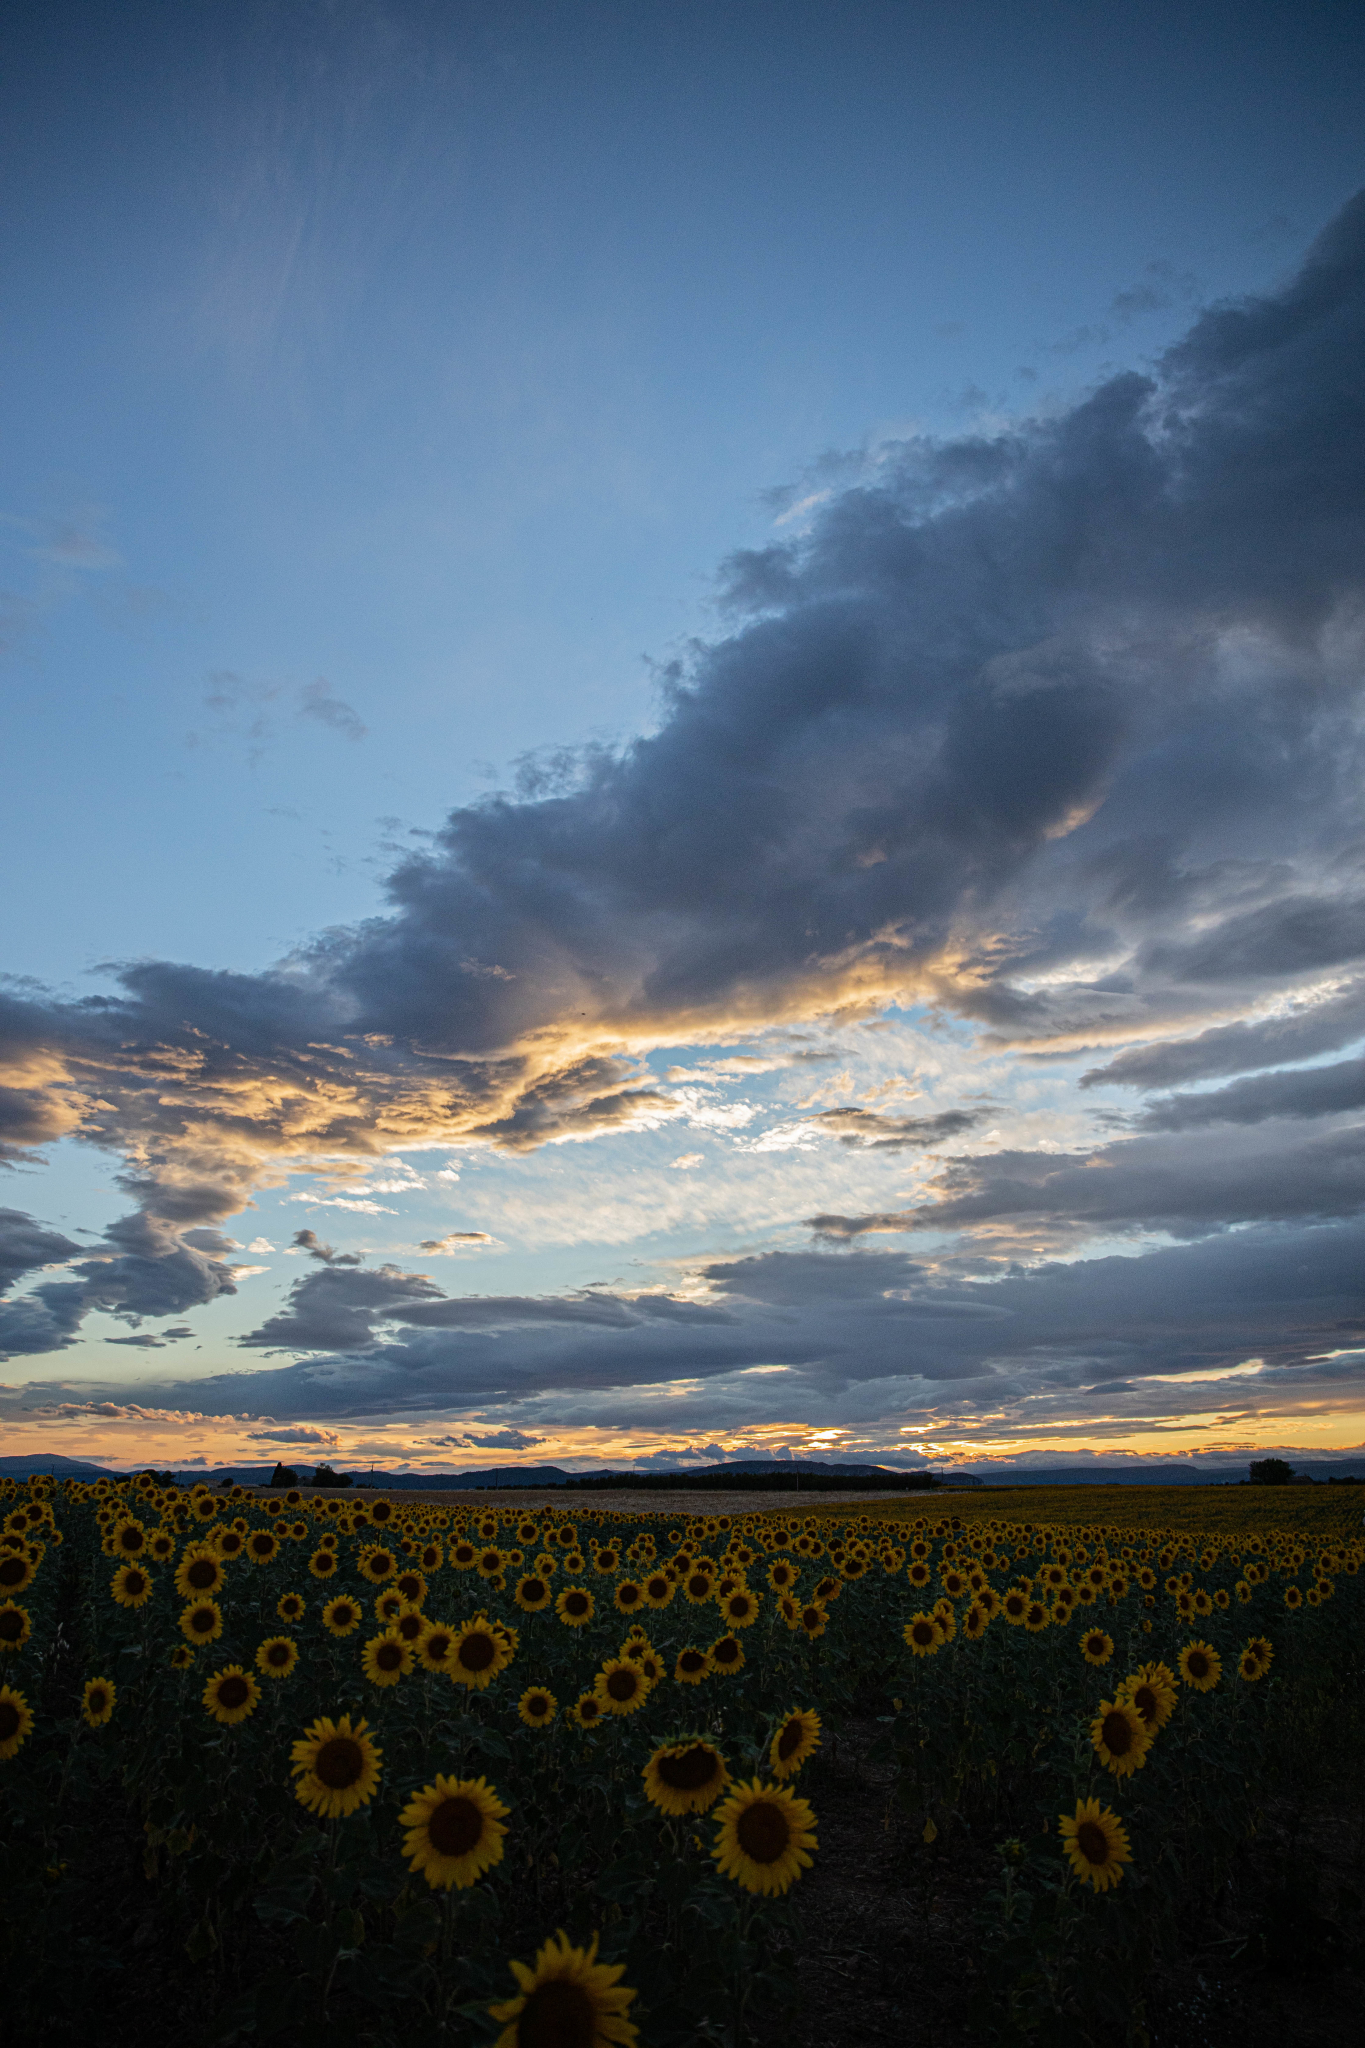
(139, 1267)
(865, 1130)
(1316, 1091)
(1240, 1048)
(872, 1333)
(1187, 1186)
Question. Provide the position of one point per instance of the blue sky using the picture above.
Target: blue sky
(409, 405)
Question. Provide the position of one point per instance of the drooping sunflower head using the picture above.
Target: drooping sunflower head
(685, 1776)
(796, 1737)
(454, 1831)
(567, 2000)
(537, 1707)
(764, 1837)
(182, 1658)
(337, 1767)
(1095, 1843)
(1152, 1691)
(1200, 1666)
(231, 1695)
(97, 1702)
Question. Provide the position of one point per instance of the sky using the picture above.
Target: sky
(683, 721)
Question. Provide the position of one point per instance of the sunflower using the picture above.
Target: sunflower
(1152, 1691)
(290, 1607)
(975, 1622)
(740, 1608)
(434, 1645)
(454, 1831)
(1200, 1666)
(796, 1737)
(698, 1586)
(812, 1618)
(342, 1615)
(659, 1589)
(1293, 1597)
(262, 1546)
(575, 1606)
(566, 1996)
(277, 1656)
(1259, 1648)
(1015, 1605)
(323, 1563)
(385, 1659)
(389, 1606)
(923, 1634)
(692, 1666)
(230, 1542)
(1037, 1617)
(129, 1538)
(1097, 1647)
(1121, 1737)
(15, 1721)
(231, 1694)
(764, 1837)
(131, 1585)
(537, 1707)
(201, 1621)
(621, 1686)
(16, 1626)
(97, 1702)
(685, 1776)
(182, 1658)
(337, 1767)
(162, 1546)
(463, 1556)
(782, 1575)
(1095, 1842)
(480, 1651)
(630, 1596)
(587, 1710)
(532, 1594)
(376, 1563)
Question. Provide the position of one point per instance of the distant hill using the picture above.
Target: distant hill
(50, 1465)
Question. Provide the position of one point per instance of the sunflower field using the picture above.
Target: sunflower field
(406, 1772)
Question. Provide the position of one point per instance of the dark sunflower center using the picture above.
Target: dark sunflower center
(739, 1607)
(438, 1646)
(1116, 1734)
(726, 1652)
(691, 1660)
(557, 2015)
(408, 1586)
(130, 1539)
(534, 1590)
(340, 1763)
(1145, 1700)
(202, 1574)
(389, 1656)
(629, 1596)
(690, 1770)
(576, 1603)
(538, 1706)
(1092, 1842)
(11, 1625)
(657, 1588)
(1197, 1664)
(98, 1701)
(455, 1827)
(924, 1632)
(699, 1585)
(789, 1740)
(477, 1652)
(763, 1831)
(590, 1709)
(202, 1620)
(134, 1582)
(9, 1720)
(343, 1615)
(277, 1654)
(233, 1693)
(623, 1685)
(381, 1562)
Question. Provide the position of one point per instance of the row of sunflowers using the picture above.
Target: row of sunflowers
(367, 1757)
